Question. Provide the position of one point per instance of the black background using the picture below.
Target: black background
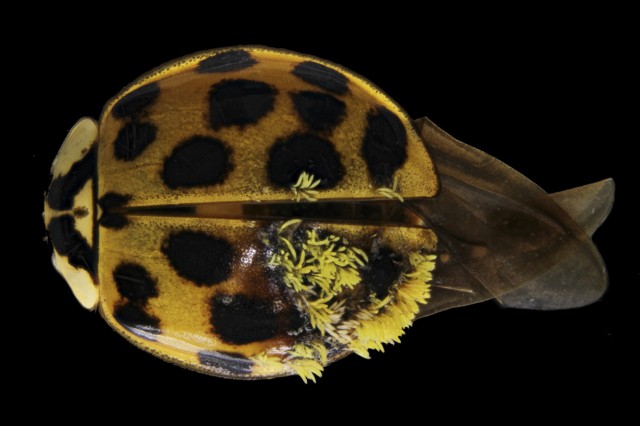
(543, 91)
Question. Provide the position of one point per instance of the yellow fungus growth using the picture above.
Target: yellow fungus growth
(289, 223)
(320, 313)
(268, 363)
(391, 192)
(307, 369)
(383, 322)
(308, 360)
(324, 271)
(323, 267)
(304, 187)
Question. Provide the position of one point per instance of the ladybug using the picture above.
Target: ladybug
(251, 213)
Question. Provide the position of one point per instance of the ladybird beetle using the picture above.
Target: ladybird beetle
(252, 213)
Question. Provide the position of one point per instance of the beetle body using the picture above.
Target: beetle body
(251, 213)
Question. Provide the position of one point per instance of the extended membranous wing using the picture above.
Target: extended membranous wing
(502, 237)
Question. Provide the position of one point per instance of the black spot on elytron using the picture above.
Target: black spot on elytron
(136, 319)
(383, 270)
(134, 103)
(230, 362)
(231, 60)
(199, 257)
(112, 200)
(320, 111)
(134, 282)
(239, 102)
(322, 76)
(80, 212)
(239, 319)
(109, 204)
(198, 161)
(64, 188)
(384, 148)
(133, 139)
(304, 153)
(67, 241)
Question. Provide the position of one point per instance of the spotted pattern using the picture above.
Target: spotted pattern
(64, 188)
(135, 318)
(384, 148)
(133, 139)
(238, 312)
(201, 258)
(239, 319)
(198, 161)
(134, 282)
(322, 76)
(133, 104)
(239, 102)
(67, 241)
(110, 217)
(290, 157)
(137, 133)
(231, 60)
(382, 271)
(319, 111)
(136, 286)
